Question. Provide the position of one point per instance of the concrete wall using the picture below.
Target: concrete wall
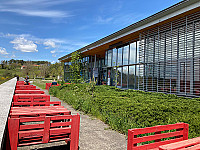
(6, 95)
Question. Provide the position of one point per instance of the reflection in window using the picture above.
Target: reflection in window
(119, 58)
(113, 76)
(125, 55)
(131, 84)
(109, 57)
(119, 71)
(106, 60)
(132, 53)
(125, 77)
(114, 58)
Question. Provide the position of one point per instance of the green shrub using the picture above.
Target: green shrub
(126, 109)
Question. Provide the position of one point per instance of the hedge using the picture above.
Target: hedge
(126, 109)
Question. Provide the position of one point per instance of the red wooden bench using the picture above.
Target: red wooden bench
(190, 144)
(25, 87)
(178, 131)
(20, 82)
(29, 91)
(45, 129)
(47, 85)
(31, 98)
(27, 104)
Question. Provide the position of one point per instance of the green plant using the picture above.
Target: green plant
(76, 67)
(126, 109)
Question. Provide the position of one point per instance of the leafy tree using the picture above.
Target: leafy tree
(76, 67)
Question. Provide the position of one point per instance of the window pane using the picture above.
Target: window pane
(119, 70)
(138, 51)
(137, 76)
(109, 57)
(113, 76)
(119, 60)
(132, 53)
(106, 61)
(131, 84)
(114, 57)
(125, 55)
(124, 77)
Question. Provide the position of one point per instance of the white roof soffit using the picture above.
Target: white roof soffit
(163, 15)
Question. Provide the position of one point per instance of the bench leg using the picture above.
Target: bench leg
(75, 132)
(13, 128)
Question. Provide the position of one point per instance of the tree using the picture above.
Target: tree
(76, 67)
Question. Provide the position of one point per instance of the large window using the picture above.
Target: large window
(132, 53)
(114, 58)
(125, 55)
(119, 76)
(125, 77)
(110, 58)
(131, 81)
(119, 58)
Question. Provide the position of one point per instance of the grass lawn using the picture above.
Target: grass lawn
(40, 83)
(126, 109)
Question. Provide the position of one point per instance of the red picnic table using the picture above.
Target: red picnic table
(190, 144)
(18, 112)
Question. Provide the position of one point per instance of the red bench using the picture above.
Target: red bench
(48, 85)
(29, 91)
(178, 130)
(44, 130)
(31, 98)
(20, 82)
(25, 87)
(190, 144)
(27, 104)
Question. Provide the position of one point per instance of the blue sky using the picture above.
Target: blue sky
(49, 29)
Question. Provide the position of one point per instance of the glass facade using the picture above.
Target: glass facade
(162, 59)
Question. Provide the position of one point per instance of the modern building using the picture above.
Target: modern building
(160, 53)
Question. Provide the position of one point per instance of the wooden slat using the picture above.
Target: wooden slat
(157, 136)
(58, 131)
(31, 126)
(157, 144)
(30, 133)
(195, 147)
(157, 128)
(181, 144)
(58, 124)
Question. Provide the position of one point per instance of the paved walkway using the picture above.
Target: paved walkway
(94, 134)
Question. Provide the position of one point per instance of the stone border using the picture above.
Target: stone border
(6, 94)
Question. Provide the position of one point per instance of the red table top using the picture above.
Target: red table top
(182, 144)
(38, 111)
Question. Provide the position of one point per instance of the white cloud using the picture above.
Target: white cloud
(53, 52)
(37, 8)
(50, 44)
(24, 45)
(3, 51)
(39, 13)
(102, 20)
(54, 55)
(13, 56)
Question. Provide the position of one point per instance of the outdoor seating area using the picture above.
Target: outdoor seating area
(162, 137)
(33, 119)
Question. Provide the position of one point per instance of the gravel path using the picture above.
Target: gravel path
(94, 135)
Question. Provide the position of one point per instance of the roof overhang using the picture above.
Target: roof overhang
(131, 32)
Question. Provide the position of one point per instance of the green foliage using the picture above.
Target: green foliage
(76, 67)
(124, 110)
